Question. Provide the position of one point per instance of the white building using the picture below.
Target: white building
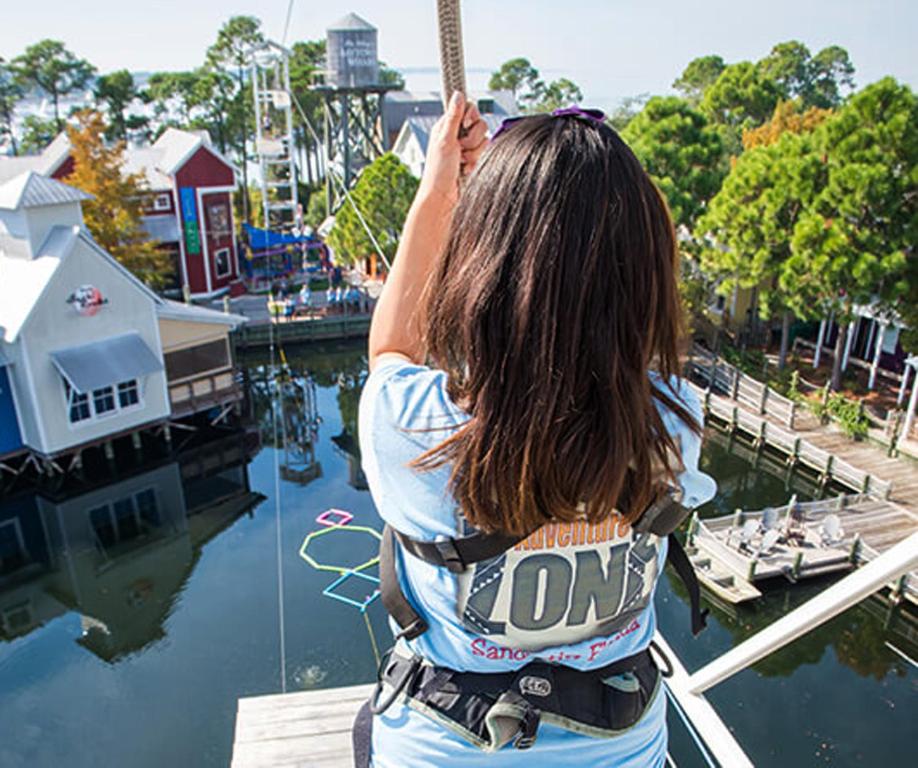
(81, 352)
(411, 144)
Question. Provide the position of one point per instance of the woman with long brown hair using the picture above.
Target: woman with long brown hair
(527, 439)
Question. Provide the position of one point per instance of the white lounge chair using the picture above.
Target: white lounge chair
(769, 518)
(769, 541)
(831, 530)
(750, 528)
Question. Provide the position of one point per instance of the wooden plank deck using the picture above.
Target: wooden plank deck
(306, 729)
(870, 526)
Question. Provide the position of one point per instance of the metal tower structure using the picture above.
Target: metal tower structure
(274, 145)
(355, 132)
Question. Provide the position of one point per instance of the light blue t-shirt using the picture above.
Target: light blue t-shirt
(575, 594)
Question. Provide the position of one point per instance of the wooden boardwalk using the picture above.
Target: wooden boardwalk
(307, 729)
(773, 420)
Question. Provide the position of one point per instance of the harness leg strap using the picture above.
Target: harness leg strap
(675, 554)
(362, 736)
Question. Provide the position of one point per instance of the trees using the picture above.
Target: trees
(517, 76)
(36, 134)
(10, 94)
(750, 224)
(113, 213)
(818, 222)
(787, 118)
(815, 80)
(306, 62)
(627, 109)
(49, 66)
(230, 54)
(116, 91)
(522, 79)
(559, 93)
(698, 76)
(681, 152)
(383, 194)
(850, 245)
(741, 95)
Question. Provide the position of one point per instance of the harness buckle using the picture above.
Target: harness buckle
(415, 629)
(452, 560)
(386, 667)
(529, 726)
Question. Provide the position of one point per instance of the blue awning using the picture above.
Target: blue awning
(107, 362)
(262, 239)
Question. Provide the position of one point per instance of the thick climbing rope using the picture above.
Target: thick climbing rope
(452, 61)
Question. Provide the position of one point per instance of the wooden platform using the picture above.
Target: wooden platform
(869, 525)
(303, 729)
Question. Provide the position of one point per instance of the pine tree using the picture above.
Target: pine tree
(113, 214)
(383, 194)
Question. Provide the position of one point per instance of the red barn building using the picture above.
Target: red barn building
(188, 206)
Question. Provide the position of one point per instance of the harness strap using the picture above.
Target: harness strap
(457, 554)
(675, 555)
(393, 598)
(412, 625)
(493, 709)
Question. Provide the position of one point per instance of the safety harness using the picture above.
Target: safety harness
(491, 710)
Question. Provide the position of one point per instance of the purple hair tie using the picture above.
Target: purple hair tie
(594, 116)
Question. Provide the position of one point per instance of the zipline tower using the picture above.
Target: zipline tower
(353, 100)
(270, 74)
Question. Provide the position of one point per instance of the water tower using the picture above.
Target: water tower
(353, 98)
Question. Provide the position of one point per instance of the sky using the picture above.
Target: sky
(611, 48)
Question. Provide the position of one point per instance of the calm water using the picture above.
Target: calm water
(134, 615)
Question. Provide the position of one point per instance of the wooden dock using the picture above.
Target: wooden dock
(303, 729)
(296, 331)
(732, 552)
(770, 419)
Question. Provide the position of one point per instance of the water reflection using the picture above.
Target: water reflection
(180, 627)
(119, 554)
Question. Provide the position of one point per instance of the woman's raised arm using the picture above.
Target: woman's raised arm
(396, 326)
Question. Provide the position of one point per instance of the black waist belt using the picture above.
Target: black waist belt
(491, 710)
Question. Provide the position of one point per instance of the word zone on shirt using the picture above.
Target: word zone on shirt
(565, 583)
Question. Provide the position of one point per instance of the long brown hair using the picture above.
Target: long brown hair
(555, 294)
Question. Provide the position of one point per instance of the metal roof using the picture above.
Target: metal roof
(32, 190)
(349, 22)
(106, 363)
(23, 280)
(45, 163)
(422, 125)
(176, 310)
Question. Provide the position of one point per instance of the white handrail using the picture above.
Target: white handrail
(702, 716)
(900, 559)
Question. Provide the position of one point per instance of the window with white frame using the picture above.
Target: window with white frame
(162, 202)
(128, 394)
(222, 262)
(102, 402)
(79, 407)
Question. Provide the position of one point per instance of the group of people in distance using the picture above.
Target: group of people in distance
(340, 298)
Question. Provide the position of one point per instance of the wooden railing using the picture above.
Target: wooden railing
(728, 380)
(797, 450)
(203, 392)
